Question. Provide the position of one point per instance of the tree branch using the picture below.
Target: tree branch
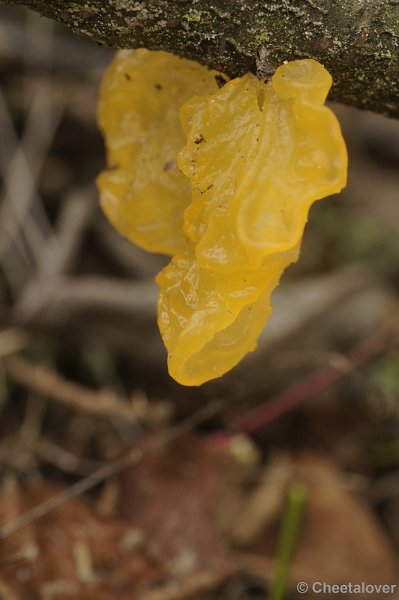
(357, 40)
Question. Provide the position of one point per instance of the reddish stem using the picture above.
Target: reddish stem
(312, 385)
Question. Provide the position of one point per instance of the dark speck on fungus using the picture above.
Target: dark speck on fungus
(168, 166)
(199, 139)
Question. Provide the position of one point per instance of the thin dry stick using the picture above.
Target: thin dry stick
(59, 298)
(316, 383)
(22, 210)
(65, 460)
(76, 213)
(133, 260)
(20, 177)
(12, 340)
(112, 468)
(60, 249)
(46, 382)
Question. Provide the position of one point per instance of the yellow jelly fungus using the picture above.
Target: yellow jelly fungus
(210, 320)
(143, 193)
(257, 155)
(269, 151)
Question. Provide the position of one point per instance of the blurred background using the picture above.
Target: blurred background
(295, 452)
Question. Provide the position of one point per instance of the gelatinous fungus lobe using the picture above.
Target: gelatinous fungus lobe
(226, 191)
(271, 150)
(143, 193)
(209, 320)
(266, 153)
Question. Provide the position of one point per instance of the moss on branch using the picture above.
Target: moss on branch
(357, 40)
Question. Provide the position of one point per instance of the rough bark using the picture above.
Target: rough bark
(357, 40)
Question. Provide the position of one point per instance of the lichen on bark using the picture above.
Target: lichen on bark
(357, 40)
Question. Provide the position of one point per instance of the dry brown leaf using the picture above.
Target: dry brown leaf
(162, 537)
(341, 539)
(69, 553)
(173, 496)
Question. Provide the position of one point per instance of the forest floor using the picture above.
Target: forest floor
(116, 482)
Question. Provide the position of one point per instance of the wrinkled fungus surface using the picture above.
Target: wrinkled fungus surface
(226, 190)
(143, 193)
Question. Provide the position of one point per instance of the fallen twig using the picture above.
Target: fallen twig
(60, 250)
(48, 383)
(21, 173)
(55, 300)
(108, 470)
(76, 212)
(314, 384)
(12, 340)
(64, 460)
(133, 260)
